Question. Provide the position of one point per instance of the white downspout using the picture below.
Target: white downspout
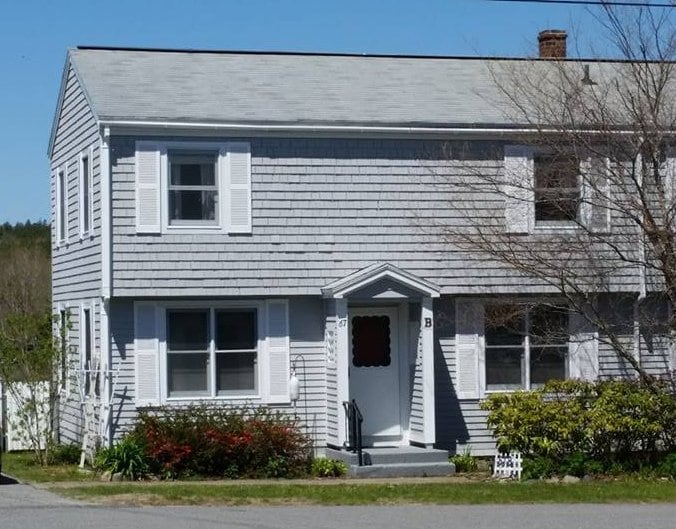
(106, 357)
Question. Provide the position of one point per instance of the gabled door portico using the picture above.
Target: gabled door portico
(384, 315)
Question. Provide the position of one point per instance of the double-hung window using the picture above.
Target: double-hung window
(61, 206)
(525, 346)
(86, 357)
(63, 347)
(212, 352)
(557, 190)
(193, 188)
(85, 194)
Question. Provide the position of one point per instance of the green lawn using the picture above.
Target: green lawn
(361, 492)
(22, 466)
(69, 481)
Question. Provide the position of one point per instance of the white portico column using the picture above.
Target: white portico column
(427, 331)
(342, 365)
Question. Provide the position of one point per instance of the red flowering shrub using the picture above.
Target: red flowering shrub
(216, 442)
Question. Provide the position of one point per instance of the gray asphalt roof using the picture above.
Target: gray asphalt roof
(315, 89)
(287, 88)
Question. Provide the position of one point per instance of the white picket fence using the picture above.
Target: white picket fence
(15, 433)
(508, 465)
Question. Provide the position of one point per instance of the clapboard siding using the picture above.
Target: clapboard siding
(307, 358)
(322, 209)
(70, 413)
(76, 264)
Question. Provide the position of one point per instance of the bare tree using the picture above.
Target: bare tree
(589, 186)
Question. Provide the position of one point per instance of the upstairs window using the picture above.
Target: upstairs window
(525, 346)
(85, 195)
(193, 188)
(557, 193)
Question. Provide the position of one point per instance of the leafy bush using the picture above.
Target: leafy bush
(126, 457)
(63, 454)
(585, 428)
(537, 467)
(233, 443)
(667, 466)
(323, 467)
(464, 462)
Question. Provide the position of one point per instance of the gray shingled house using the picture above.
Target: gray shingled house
(224, 222)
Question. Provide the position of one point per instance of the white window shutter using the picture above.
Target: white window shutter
(147, 353)
(595, 189)
(583, 349)
(148, 186)
(238, 188)
(277, 339)
(469, 329)
(518, 189)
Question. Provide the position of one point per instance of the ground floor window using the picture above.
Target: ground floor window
(526, 345)
(211, 352)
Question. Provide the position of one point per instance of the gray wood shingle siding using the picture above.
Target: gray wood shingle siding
(321, 209)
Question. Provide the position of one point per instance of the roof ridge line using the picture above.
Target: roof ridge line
(344, 54)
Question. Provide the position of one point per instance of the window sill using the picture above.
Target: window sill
(557, 224)
(193, 228)
(493, 391)
(196, 398)
(556, 228)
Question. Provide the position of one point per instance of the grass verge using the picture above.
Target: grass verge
(364, 493)
(22, 466)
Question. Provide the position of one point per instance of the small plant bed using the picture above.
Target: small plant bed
(363, 492)
(210, 442)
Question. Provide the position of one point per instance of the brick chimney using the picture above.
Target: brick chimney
(552, 44)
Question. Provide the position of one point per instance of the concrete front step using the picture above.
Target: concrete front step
(401, 461)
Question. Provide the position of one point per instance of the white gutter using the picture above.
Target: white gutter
(345, 128)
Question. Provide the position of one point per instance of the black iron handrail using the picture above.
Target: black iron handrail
(353, 420)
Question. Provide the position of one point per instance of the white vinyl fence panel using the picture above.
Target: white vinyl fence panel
(16, 434)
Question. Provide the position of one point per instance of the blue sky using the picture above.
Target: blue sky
(35, 34)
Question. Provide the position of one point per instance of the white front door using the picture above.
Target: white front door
(374, 372)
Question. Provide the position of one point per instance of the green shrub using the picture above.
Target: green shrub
(218, 442)
(667, 467)
(464, 462)
(323, 467)
(126, 457)
(535, 467)
(64, 454)
(587, 428)
(579, 464)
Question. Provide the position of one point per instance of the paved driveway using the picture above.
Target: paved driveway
(22, 507)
